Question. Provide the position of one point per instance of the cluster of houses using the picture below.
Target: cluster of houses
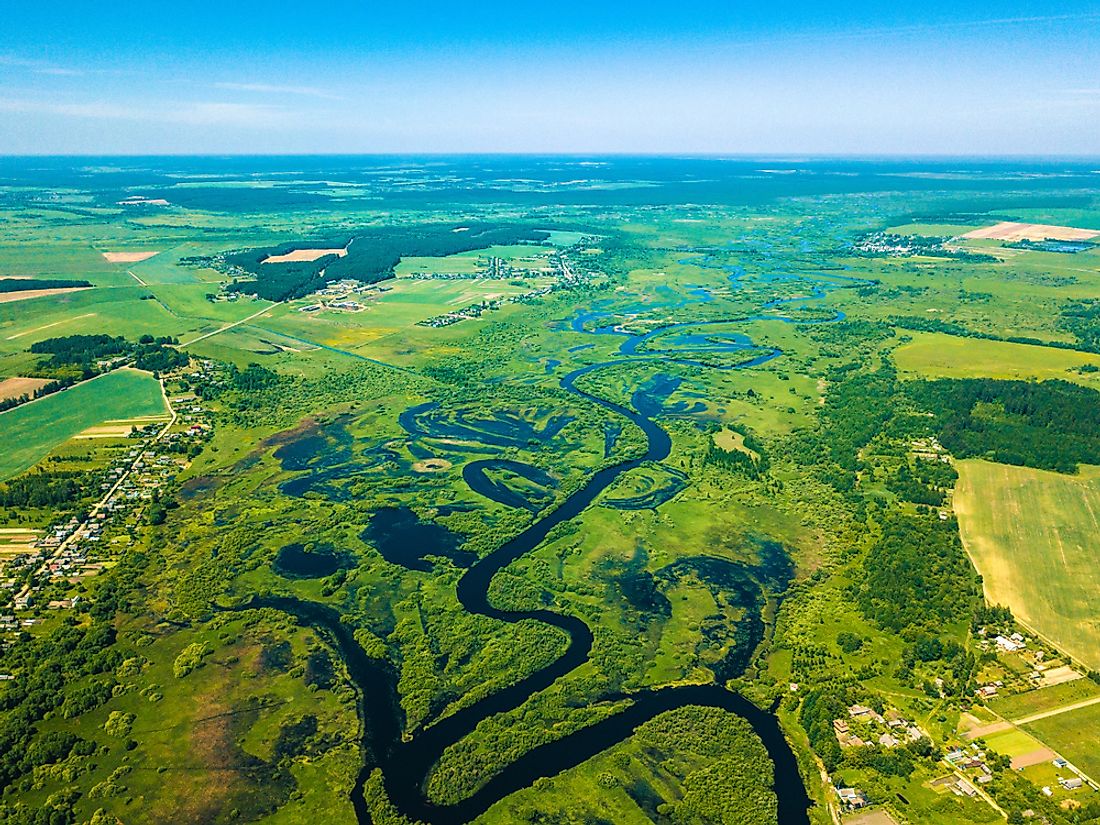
(897, 246)
(565, 278)
(865, 727)
(492, 268)
(1013, 643)
(852, 798)
(972, 763)
(338, 295)
(71, 550)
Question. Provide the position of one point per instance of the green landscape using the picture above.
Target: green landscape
(652, 501)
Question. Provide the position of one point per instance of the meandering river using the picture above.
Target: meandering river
(406, 763)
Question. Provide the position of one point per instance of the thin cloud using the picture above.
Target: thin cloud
(275, 89)
(38, 66)
(198, 113)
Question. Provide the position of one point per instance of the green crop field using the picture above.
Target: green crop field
(935, 355)
(1073, 734)
(1032, 536)
(33, 430)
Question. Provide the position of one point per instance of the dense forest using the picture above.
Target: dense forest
(917, 575)
(1052, 425)
(371, 255)
(58, 489)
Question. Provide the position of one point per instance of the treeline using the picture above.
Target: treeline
(918, 324)
(371, 255)
(1052, 425)
(24, 284)
(45, 389)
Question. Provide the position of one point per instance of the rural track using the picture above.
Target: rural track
(1046, 714)
(231, 325)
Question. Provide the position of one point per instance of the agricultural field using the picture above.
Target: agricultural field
(933, 355)
(33, 430)
(1073, 734)
(540, 492)
(1031, 536)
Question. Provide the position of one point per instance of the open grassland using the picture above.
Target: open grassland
(935, 355)
(1075, 735)
(30, 431)
(1046, 699)
(1032, 536)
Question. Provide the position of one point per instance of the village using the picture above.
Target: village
(565, 277)
(59, 558)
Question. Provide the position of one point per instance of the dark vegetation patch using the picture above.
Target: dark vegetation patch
(320, 672)
(1082, 318)
(24, 284)
(917, 574)
(1051, 425)
(55, 488)
(371, 255)
(88, 353)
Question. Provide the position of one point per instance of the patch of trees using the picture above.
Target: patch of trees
(917, 574)
(66, 671)
(69, 353)
(78, 349)
(57, 489)
(857, 408)
(371, 256)
(1082, 318)
(820, 707)
(741, 461)
(24, 284)
(735, 785)
(1052, 425)
(926, 482)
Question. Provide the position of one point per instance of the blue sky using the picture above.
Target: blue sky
(586, 77)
